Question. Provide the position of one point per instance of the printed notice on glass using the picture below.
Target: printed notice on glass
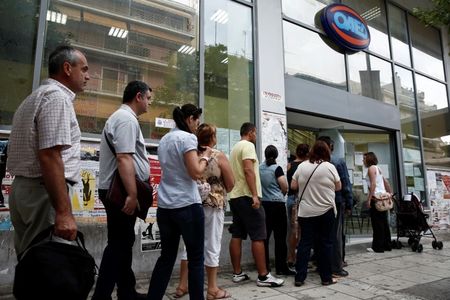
(417, 172)
(409, 169)
(359, 158)
(150, 238)
(419, 184)
(223, 140)
(164, 123)
(235, 136)
(357, 178)
(431, 178)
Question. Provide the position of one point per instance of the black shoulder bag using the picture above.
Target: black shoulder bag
(117, 193)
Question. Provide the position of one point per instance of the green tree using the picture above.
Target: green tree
(438, 15)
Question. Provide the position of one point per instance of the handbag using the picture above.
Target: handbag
(117, 193)
(383, 202)
(49, 269)
(294, 209)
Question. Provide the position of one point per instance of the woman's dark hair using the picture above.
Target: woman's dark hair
(180, 114)
(271, 154)
(205, 133)
(370, 159)
(302, 151)
(319, 152)
(132, 88)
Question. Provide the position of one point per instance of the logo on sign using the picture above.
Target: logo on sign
(345, 27)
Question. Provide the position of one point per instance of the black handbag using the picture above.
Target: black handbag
(49, 269)
(117, 193)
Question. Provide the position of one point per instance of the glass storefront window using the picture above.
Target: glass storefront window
(399, 35)
(229, 78)
(426, 48)
(304, 10)
(374, 12)
(127, 40)
(17, 53)
(434, 116)
(412, 160)
(371, 77)
(307, 56)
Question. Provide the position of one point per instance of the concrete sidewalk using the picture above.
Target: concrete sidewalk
(399, 274)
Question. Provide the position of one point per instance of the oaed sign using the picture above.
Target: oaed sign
(345, 27)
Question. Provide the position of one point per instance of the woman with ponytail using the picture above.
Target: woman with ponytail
(180, 212)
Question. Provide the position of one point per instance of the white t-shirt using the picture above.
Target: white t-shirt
(319, 194)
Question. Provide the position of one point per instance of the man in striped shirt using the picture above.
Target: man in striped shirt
(44, 151)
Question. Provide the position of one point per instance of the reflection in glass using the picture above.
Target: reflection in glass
(426, 51)
(136, 40)
(18, 41)
(399, 35)
(304, 10)
(412, 160)
(433, 107)
(370, 77)
(307, 56)
(374, 12)
(229, 88)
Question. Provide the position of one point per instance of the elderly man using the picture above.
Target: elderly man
(44, 151)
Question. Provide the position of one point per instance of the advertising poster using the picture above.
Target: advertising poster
(150, 239)
(439, 196)
(274, 130)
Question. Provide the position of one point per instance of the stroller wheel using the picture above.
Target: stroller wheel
(399, 245)
(414, 246)
(410, 241)
(440, 245)
(419, 248)
(434, 244)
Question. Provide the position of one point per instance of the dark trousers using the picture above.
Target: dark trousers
(338, 224)
(381, 233)
(318, 228)
(189, 223)
(115, 267)
(276, 221)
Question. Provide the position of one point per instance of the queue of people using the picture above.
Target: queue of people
(196, 182)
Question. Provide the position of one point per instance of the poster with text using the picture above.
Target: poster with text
(274, 131)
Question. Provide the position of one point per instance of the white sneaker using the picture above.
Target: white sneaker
(240, 277)
(270, 281)
(370, 250)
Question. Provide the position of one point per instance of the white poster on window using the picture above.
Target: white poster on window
(359, 158)
(357, 178)
(409, 169)
(223, 140)
(274, 132)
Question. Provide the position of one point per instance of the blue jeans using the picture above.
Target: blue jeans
(187, 222)
(320, 229)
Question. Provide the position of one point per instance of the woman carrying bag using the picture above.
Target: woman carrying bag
(378, 185)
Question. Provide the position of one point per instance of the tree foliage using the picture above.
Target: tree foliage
(439, 15)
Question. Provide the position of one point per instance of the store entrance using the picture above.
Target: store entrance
(351, 141)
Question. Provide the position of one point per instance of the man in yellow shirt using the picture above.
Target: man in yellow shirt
(248, 215)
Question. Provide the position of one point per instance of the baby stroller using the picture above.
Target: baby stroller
(412, 223)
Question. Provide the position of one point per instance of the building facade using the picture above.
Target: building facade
(264, 61)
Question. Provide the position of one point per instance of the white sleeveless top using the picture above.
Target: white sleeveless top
(379, 182)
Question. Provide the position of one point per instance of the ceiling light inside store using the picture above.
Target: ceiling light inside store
(372, 13)
(220, 16)
(118, 32)
(56, 17)
(186, 49)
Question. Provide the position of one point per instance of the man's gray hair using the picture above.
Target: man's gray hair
(59, 56)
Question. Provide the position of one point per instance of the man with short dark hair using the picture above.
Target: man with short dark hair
(122, 147)
(248, 215)
(344, 203)
(44, 151)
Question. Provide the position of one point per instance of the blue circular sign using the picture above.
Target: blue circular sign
(345, 27)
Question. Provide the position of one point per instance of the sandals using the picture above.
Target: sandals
(330, 282)
(179, 292)
(220, 294)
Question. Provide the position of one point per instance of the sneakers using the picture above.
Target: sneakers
(240, 277)
(270, 281)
